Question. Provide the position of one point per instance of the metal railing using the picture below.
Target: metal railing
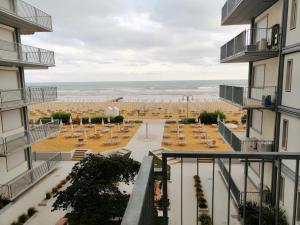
(20, 141)
(13, 143)
(219, 197)
(260, 97)
(24, 54)
(20, 184)
(30, 13)
(253, 145)
(230, 137)
(29, 95)
(140, 208)
(228, 7)
(43, 131)
(263, 41)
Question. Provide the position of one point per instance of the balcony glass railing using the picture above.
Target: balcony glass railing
(14, 188)
(30, 95)
(264, 40)
(25, 55)
(19, 141)
(28, 12)
(260, 97)
(43, 131)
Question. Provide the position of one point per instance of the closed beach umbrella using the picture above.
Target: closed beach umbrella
(199, 121)
(119, 128)
(70, 120)
(41, 123)
(90, 120)
(218, 118)
(95, 129)
(52, 120)
(61, 123)
(85, 134)
(108, 119)
(81, 122)
(72, 128)
(102, 121)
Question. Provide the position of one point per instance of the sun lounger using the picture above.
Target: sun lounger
(212, 143)
(181, 142)
(107, 142)
(80, 142)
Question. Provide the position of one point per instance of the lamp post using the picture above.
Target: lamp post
(188, 98)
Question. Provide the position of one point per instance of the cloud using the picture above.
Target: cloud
(134, 40)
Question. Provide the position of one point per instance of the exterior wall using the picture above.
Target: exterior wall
(9, 78)
(274, 14)
(291, 99)
(292, 36)
(271, 71)
(268, 126)
(288, 198)
(255, 178)
(6, 4)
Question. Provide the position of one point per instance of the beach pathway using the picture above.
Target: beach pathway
(140, 145)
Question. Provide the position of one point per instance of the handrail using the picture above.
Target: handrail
(23, 182)
(29, 95)
(30, 13)
(43, 131)
(140, 207)
(26, 54)
(263, 41)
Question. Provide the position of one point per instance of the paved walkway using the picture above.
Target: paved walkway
(140, 145)
(34, 196)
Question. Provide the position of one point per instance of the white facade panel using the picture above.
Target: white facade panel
(263, 125)
(8, 79)
(11, 120)
(6, 4)
(273, 15)
(292, 35)
(7, 33)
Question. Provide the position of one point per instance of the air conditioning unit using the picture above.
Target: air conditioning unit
(264, 147)
(262, 45)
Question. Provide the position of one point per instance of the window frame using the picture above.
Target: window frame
(285, 132)
(288, 75)
(261, 124)
(293, 15)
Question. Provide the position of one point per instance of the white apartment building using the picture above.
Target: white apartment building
(19, 18)
(272, 99)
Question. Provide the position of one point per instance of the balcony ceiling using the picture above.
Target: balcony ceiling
(26, 65)
(25, 26)
(246, 10)
(250, 56)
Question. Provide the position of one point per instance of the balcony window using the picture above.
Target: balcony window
(285, 128)
(293, 19)
(281, 193)
(289, 72)
(258, 76)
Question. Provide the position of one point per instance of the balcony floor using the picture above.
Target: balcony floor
(250, 56)
(26, 27)
(29, 65)
(246, 10)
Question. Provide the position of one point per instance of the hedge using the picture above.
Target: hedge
(211, 117)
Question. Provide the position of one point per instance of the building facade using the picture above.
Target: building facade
(272, 99)
(19, 18)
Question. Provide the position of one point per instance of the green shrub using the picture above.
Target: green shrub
(118, 119)
(44, 120)
(65, 117)
(188, 121)
(268, 214)
(3, 201)
(205, 219)
(48, 195)
(244, 119)
(68, 178)
(31, 211)
(211, 117)
(22, 218)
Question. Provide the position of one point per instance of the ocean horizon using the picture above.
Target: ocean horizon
(172, 90)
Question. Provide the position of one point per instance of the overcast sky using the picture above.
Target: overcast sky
(112, 40)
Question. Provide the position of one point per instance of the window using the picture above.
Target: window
(289, 72)
(293, 20)
(258, 76)
(281, 193)
(257, 120)
(285, 127)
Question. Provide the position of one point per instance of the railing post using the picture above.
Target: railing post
(165, 190)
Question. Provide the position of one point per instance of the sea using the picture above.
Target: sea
(143, 91)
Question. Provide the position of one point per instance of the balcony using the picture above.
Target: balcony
(255, 145)
(241, 49)
(14, 54)
(19, 14)
(17, 142)
(14, 188)
(236, 12)
(19, 97)
(221, 193)
(260, 97)
(43, 131)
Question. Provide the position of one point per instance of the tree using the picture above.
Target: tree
(93, 196)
